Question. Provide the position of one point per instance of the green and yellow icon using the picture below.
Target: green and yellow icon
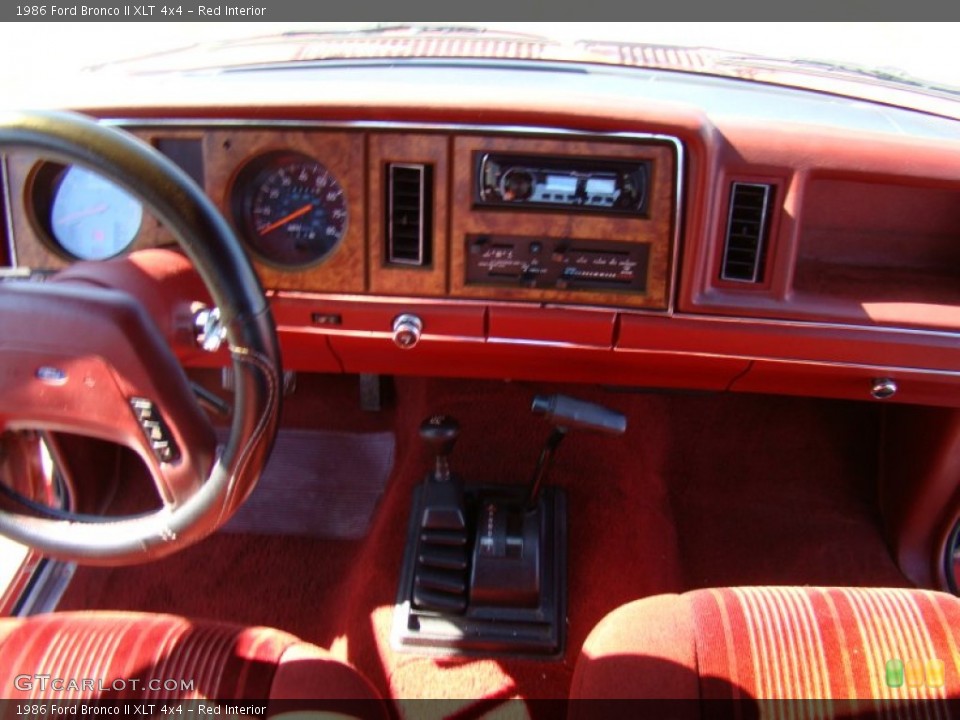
(914, 673)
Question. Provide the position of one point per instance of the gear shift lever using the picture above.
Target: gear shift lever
(565, 413)
(485, 565)
(439, 582)
(440, 433)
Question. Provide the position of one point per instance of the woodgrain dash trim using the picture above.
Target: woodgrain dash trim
(343, 153)
(657, 229)
(432, 150)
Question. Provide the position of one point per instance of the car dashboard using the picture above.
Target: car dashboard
(810, 252)
(560, 222)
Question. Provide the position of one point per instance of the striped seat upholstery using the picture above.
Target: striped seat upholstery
(778, 643)
(146, 657)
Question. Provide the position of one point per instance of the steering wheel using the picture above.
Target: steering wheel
(92, 361)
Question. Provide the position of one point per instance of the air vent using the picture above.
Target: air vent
(748, 225)
(409, 214)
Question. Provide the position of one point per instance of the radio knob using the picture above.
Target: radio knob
(517, 185)
(407, 330)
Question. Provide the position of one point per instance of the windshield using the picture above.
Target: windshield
(917, 55)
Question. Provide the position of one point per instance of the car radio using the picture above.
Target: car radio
(562, 183)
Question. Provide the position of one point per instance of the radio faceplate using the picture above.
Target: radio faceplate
(556, 263)
(621, 257)
(567, 184)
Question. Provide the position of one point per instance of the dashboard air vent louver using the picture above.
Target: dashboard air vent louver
(409, 214)
(748, 224)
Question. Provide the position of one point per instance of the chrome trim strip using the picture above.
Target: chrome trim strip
(375, 334)
(636, 312)
(817, 325)
(566, 345)
(7, 201)
(677, 221)
(425, 301)
(391, 125)
(563, 344)
(886, 369)
(47, 587)
(302, 295)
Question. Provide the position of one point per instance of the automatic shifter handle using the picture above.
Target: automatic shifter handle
(440, 432)
(566, 413)
(571, 413)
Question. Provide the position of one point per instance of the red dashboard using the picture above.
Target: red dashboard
(644, 230)
(849, 290)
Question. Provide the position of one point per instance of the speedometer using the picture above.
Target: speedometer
(291, 210)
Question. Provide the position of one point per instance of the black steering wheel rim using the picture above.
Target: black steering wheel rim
(210, 243)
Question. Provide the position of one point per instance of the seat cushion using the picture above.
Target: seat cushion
(776, 643)
(118, 656)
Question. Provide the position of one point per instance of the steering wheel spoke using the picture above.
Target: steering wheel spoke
(86, 357)
(172, 467)
(95, 376)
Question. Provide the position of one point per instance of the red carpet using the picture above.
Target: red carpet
(701, 491)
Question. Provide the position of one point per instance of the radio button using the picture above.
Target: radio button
(477, 246)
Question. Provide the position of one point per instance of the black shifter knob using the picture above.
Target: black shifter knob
(440, 433)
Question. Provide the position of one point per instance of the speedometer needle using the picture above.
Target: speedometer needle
(286, 218)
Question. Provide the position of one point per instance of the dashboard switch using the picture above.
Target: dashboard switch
(155, 430)
(407, 330)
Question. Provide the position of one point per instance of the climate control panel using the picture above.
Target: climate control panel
(556, 263)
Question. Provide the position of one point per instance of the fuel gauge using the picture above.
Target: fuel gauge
(91, 218)
(84, 215)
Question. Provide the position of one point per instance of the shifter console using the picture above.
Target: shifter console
(484, 569)
(505, 570)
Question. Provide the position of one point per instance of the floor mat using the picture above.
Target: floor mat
(319, 484)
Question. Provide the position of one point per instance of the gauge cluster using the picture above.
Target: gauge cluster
(317, 211)
(296, 201)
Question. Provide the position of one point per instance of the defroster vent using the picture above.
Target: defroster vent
(409, 214)
(748, 225)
